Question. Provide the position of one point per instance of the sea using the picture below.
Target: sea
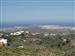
(23, 24)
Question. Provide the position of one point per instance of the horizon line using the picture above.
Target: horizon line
(37, 1)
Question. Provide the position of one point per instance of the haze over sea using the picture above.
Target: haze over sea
(23, 24)
(36, 12)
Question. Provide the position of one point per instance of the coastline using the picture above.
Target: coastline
(39, 26)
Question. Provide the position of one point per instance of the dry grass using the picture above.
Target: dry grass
(30, 52)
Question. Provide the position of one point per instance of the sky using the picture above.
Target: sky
(37, 11)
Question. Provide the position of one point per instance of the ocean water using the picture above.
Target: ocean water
(7, 25)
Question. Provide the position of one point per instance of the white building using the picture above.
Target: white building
(3, 41)
(64, 34)
(27, 32)
(20, 46)
(17, 33)
(64, 40)
(46, 34)
(36, 33)
(52, 34)
(1, 35)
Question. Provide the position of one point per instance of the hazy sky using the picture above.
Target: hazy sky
(38, 11)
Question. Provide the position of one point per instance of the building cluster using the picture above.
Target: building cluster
(4, 42)
(17, 33)
(49, 34)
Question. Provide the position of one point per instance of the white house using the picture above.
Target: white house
(64, 40)
(64, 34)
(1, 34)
(46, 34)
(52, 34)
(17, 33)
(24, 40)
(27, 32)
(36, 33)
(21, 31)
(20, 46)
(3, 41)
